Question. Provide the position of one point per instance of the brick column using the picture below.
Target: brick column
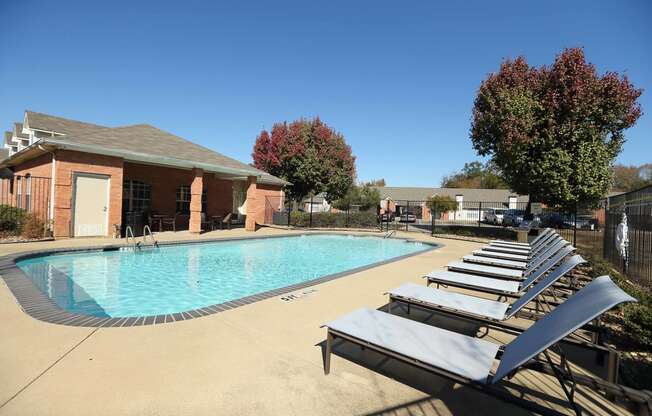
(196, 189)
(252, 204)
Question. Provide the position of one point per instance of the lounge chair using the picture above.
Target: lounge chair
(521, 251)
(497, 285)
(468, 305)
(517, 264)
(468, 360)
(529, 245)
(501, 271)
(520, 257)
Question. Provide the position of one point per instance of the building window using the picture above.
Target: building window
(28, 192)
(136, 196)
(19, 191)
(183, 200)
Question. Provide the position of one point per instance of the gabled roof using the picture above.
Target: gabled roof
(139, 143)
(146, 139)
(60, 125)
(481, 195)
(405, 193)
(470, 194)
(18, 131)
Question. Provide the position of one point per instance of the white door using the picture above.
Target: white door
(91, 205)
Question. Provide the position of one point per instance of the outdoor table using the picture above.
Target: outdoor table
(158, 219)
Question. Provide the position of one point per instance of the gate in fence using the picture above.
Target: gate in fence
(25, 206)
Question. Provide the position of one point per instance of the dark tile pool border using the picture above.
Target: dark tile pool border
(37, 305)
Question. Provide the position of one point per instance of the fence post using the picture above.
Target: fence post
(575, 227)
(434, 219)
(407, 216)
(347, 218)
(289, 212)
(480, 215)
(310, 220)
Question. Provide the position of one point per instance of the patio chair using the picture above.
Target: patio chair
(169, 221)
(226, 221)
(207, 222)
(509, 288)
(468, 360)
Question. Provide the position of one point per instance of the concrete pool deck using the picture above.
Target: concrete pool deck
(258, 359)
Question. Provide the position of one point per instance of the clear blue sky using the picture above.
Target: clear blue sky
(396, 78)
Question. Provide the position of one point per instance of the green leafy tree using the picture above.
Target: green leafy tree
(377, 182)
(310, 155)
(626, 178)
(554, 131)
(441, 203)
(366, 197)
(476, 175)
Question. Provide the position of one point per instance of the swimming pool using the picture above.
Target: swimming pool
(185, 277)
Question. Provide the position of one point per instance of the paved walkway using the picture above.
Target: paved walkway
(260, 359)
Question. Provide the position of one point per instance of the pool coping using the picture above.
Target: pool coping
(39, 306)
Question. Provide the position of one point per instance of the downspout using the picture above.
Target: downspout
(52, 181)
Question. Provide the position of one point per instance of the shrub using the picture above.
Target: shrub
(637, 317)
(32, 226)
(11, 219)
(441, 203)
(366, 219)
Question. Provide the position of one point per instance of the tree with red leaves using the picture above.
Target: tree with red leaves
(310, 155)
(554, 132)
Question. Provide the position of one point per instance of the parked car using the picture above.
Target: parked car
(513, 217)
(387, 216)
(531, 222)
(587, 222)
(494, 215)
(408, 217)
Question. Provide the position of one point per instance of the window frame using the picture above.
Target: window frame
(134, 190)
(184, 192)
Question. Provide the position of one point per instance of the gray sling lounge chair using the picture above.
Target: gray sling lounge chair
(521, 257)
(469, 360)
(532, 263)
(496, 285)
(529, 245)
(477, 265)
(441, 300)
(489, 250)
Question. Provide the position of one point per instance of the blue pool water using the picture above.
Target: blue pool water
(179, 278)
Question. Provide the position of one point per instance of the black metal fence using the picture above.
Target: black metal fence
(583, 227)
(309, 214)
(25, 207)
(630, 212)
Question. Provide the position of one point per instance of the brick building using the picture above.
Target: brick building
(100, 176)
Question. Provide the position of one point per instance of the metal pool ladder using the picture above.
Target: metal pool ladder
(148, 232)
(129, 233)
(389, 234)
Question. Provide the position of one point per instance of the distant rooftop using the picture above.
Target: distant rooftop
(400, 193)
